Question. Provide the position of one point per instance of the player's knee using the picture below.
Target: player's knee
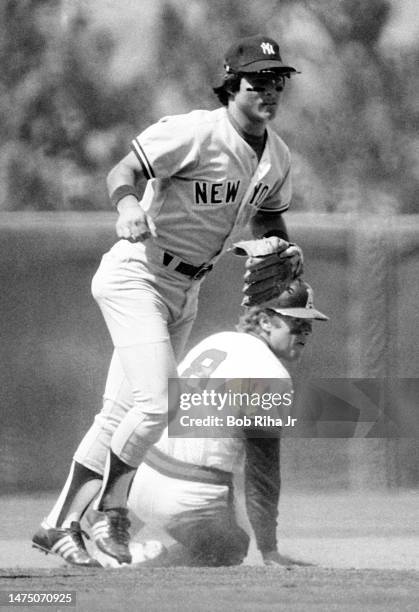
(111, 414)
(232, 550)
(228, 552)
(150, 426)
(212, 543)
(239, 548)
(135, 434)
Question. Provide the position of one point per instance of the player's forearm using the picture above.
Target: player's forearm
(262, 486)
(121, 174)
(132, 223)
(268, 224)
(121, 183)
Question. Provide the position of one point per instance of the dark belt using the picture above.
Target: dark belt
(174, 468)
(195, 272)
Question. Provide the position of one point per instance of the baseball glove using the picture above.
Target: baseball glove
(272, 263)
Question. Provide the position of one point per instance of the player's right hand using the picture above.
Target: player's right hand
(276, 559)
(132, 222)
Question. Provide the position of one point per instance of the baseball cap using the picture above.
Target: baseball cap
(296, 301)
(253, 54)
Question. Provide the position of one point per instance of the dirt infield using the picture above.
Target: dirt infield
(365, 547)
(234, 589)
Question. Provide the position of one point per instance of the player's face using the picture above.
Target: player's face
(258, 96)
(288, 337)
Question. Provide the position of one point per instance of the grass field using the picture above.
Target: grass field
(365, 547)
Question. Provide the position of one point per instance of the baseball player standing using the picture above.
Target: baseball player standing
(210, 174)
(185, 485)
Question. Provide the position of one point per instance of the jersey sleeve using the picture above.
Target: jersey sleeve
(262, 487)
(167, 147)
(262, 443)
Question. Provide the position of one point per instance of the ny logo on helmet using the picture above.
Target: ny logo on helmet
(267, 48)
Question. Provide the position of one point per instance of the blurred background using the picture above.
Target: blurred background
(80, 78)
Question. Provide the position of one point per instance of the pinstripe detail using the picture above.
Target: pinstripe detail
(142, 158)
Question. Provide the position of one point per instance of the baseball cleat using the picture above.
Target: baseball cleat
(66, 543)
(109, 530)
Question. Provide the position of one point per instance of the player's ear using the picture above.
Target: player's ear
(229, 94)
(232, 85)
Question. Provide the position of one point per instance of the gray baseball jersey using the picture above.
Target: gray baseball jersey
(205, 181)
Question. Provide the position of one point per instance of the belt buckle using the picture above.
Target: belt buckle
(201, 272)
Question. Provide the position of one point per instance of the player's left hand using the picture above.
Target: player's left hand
(294, 255)
(274, 558)
(271, 265)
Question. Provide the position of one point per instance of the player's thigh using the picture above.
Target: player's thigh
(156, 498)
(137, 319)
(180, 327)
(145, 317)
(135, 316)
(159, 497)
(179, 335)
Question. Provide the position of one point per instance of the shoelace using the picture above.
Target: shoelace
(119, 526)
(77, 532)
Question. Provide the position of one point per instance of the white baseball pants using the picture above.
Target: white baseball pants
(149, 311)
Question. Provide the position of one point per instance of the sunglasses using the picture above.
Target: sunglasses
(261, 81)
